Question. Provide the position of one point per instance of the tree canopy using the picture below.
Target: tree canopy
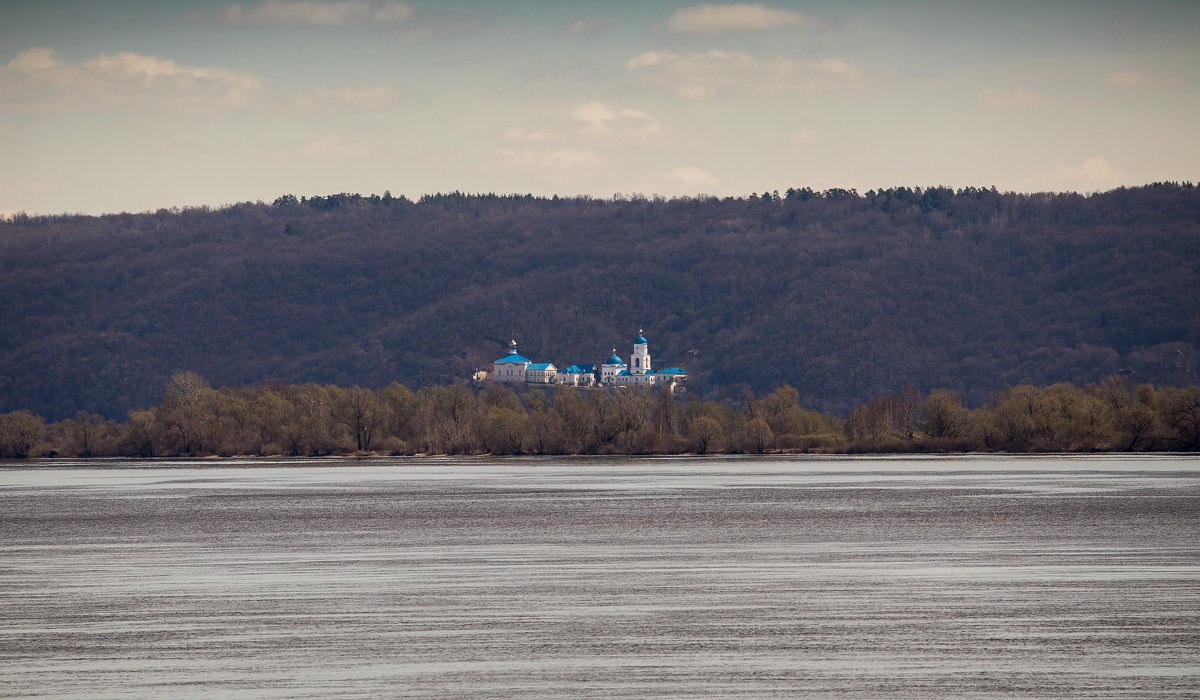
(194, 419)
(844, 295)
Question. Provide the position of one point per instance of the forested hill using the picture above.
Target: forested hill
(839, 294)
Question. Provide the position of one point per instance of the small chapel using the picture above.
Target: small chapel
(613, 372)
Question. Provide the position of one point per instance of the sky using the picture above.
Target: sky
(131, 105)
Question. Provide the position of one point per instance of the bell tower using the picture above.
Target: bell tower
(639, 362)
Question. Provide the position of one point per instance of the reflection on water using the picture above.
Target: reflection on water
(869, 577)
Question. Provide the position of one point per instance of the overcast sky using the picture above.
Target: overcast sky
(129, 105)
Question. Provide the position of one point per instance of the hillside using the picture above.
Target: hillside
(841, 295)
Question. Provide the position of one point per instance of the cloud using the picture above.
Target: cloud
(650, 58)
(601, 119)
(1125, 78)
(317, 13)
(38, 78)
(714, 19)
(594, 113)
(998, 98)
(146, 70)
(1095, 173)
(588, 26)
(594, 124)
(697, 76)
(33, 60)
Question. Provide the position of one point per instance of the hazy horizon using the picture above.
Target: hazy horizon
(139, 105)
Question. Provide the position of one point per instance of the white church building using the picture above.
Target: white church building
(613, 372)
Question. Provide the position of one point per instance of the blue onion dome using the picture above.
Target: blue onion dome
(640, 340)
(613, 360)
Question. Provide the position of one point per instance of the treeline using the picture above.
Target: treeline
(846, 294)
(194, 419)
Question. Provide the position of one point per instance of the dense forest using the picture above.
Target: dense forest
(193, 419)
(843, 295)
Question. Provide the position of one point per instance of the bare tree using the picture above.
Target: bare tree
(20, 432)
(942, 416)
(361, 411)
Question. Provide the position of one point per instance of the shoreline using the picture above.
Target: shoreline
(690, 455)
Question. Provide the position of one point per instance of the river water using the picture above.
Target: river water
(602, 577)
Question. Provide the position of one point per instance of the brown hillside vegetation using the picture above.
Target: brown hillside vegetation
(844, 295)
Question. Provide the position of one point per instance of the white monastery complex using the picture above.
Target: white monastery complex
(612, 373)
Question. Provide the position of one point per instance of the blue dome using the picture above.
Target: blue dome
(639, 340)
(614, 360)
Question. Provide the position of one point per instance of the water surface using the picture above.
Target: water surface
(833, 577)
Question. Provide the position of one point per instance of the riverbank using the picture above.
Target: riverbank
(194, 419)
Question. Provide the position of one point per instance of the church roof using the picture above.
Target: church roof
(513, 357)
(613, 360)
(540, 365)
(577, 369)
(640, 340)
(671, 370)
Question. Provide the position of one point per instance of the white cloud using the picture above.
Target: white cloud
(1095, 173)
(650, 58)
(38, 78)
(1125, 78)
(588, 26)
(594, 124)
(149, 69)
(317, 13)
(704, 75)
(34, 60)
(999, 98)
(594, 113)
(714, 19)
(599, 118)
